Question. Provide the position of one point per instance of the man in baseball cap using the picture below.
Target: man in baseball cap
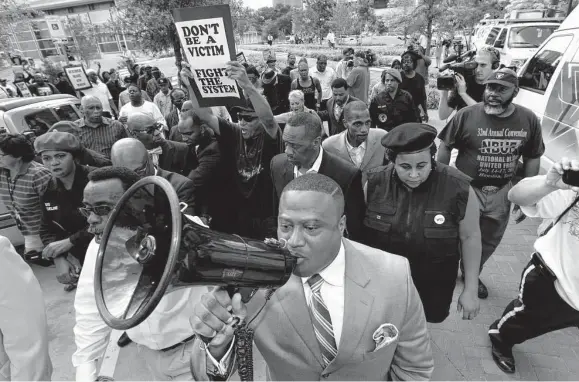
(162, 97)
(505, 76)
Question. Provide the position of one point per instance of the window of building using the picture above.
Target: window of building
(542, 65)
(70, 9)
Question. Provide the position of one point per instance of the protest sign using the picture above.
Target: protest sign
(77, 77)
(206, 35)
(241, 58)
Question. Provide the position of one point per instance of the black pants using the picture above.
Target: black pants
(538, 310)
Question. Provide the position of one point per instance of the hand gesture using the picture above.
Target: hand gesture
(65, 271)
(98, 64)
(469, 303)
(554, 177)
(214, 319)
(57, 248)
(237, 72)
(460, 83)
(123, 119)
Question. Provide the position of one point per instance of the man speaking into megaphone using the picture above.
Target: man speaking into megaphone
(348, 311)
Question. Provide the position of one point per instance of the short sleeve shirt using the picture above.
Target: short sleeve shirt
(473, 89)
(489, 147)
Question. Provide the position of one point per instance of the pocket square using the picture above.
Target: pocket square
(385, 335)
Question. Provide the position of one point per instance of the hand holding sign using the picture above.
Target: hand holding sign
(237, 72)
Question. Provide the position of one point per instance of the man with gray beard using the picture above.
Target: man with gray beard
(490, 138)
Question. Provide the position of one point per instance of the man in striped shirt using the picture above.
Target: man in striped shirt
(96, 132)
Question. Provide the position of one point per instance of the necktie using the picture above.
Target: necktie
(322, 321)
(338, 112)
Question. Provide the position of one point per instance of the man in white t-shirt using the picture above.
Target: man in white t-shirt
(139, 105)
(549, 293)
(101, 91)
(326, 76)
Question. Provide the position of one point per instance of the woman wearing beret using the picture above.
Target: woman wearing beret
(427, 212)
(63, 229)
(392, 106)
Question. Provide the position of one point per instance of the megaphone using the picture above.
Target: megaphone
(149, 248)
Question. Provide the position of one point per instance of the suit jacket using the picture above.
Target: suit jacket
(277, 95)
(183, 186)
(206, 176)
(378, 290)
(345, 174)
(172, 119)
(375, 152)
(336, 125)
(176, 157)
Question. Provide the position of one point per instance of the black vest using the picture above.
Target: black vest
(420, 224)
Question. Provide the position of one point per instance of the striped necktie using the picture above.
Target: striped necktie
(322, 321)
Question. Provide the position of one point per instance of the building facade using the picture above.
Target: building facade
(51, 36)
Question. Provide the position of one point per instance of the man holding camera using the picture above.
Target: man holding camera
(346, 64)
(549, 290)
(469, 91)
(490, 137)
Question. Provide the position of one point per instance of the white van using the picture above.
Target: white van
(517, 40)
(549, 85)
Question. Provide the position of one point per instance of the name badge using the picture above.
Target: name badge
(439, 219)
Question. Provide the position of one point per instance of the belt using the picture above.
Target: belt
(179, 343)
(490, 189)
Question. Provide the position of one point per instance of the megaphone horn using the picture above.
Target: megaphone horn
(149, 248)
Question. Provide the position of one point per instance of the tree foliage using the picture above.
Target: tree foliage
(85, 38)
(14, 12)
(319, 13)
(344, 19)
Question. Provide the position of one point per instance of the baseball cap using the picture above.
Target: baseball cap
(268, 76)
(506, 77)
(163, 81)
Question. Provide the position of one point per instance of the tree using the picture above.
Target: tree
(366, 16)
(85, 38)
(343, 19)
(12, 13)
(151, 22)
(320, 13)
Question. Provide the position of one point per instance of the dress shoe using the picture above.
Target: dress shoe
(502, 355)
(483, 292)
(124, 340)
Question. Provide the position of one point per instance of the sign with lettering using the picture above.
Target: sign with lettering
(206, 35)
(77, 77)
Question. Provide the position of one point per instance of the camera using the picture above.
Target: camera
(457, 64)
(350, 63)
(571, 178)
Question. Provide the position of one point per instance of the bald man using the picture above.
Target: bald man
(186, 109)
(132, 154)
(168, 155)
(100, 91)
(304, 154)
(97, 132)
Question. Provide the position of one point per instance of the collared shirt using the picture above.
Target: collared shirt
(356, 153)
(332, 291)
(164, 104)
(26, 189)
(102, 137)
(326, 78)
(315, 167)
(338, 110)
(165, 327)
(101, 91)
(148, 108)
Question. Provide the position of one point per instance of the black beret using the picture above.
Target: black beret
(409, 138)
(57, 141)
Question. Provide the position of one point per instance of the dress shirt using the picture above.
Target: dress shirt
(165, 327)
(332, 291)
(326, 78)
(315, 167)
(338, 110)
(163, 102)
(356, 153)
(102, 137)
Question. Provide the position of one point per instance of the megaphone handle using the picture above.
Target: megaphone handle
(246, 293)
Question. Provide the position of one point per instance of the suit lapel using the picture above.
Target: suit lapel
(342, 148)
(371, 145)
(357, 307)
(288, 174)
(293, 302)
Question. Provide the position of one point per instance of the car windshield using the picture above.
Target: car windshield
(531, 36)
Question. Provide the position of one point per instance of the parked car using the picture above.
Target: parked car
(549, 85)
(27, 115)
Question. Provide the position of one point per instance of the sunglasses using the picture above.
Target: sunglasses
(98, 210)
(151, 130)
(248, 118)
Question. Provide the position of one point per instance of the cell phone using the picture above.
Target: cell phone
(571, 177)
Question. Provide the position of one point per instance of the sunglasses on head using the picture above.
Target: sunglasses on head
(98, 210)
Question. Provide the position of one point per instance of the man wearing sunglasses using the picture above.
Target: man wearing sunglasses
(132, 154)
(247, 149)
(168, 155)
(164, 339)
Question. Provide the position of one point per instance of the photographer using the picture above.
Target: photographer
(549, 289)
(422, 60)
(346, 64)
(469, 91)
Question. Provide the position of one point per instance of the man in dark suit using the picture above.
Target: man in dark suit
(276, 89)
(334, 113)
(132, 154)
(168, 155)
(347, 313)
(302, 137)
(178, 98)
(207, 169)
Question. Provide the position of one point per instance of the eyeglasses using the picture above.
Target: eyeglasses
(151, 130)
(98, 210)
